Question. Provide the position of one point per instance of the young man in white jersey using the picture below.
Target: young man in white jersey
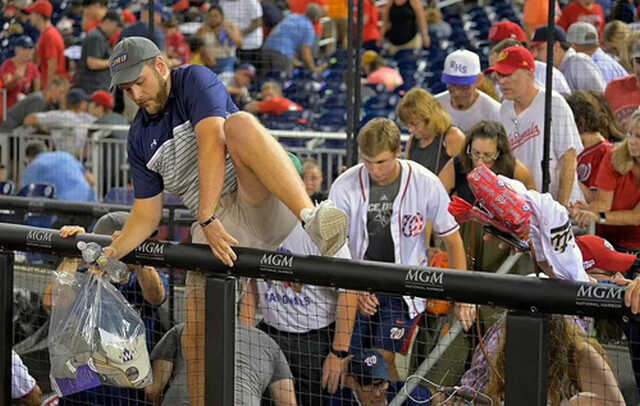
(522, 115)
(388, 202)
(311, 324)
(464, 102)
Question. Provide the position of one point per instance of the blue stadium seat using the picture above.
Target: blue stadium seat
(330, 121)
(46, 190)
(119, 195)
(7, 188)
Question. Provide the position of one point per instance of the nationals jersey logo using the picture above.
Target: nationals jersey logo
(584, 172)
(412, 225)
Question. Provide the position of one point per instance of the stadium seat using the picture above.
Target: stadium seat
(330, 122)
(119, 195)
(46, 190)
(7, 188)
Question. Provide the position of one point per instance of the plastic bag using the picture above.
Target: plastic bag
(95, 336)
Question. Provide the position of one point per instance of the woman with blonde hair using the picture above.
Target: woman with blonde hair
(617, 40)
(434, 140)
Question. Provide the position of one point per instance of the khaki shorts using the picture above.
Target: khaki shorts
(262, 227)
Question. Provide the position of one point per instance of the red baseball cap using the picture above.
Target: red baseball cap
(180, 6)
(599, 253)
(128, 17)
(511, 59)
(42, 7)
(103, 98)
(507, 30)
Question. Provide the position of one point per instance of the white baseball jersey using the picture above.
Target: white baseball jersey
(21, 381)
(421, 197)
(484, 108)
(526, 136)
(559, 83)
(553, 239)
(312, 308)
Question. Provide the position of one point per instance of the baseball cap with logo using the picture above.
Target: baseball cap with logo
(511, 59)
(461, 67)
(599, 253)
(582, 33)
(544, 34)
(42, 7)
(506, 30)
(128, 58)
(123, 363)
(103, 98)
(369, 366)
(76, 96)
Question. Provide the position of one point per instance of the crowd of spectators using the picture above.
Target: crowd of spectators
(459, 115)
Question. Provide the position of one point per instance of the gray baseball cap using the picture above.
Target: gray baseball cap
(128, 57)
(582, 33)
(110, 223)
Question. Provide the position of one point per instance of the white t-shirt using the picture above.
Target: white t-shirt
(484, 108)
(526, 136)
(21, 382)
(241, 13)
(312, 308)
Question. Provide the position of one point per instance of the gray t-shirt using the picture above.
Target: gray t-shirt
(170, 349)
(96, 44)
(33, 103)
(259, 363)
(379, 211)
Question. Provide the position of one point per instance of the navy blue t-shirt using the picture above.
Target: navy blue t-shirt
(163, 151)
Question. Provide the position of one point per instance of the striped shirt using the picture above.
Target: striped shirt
(609, 67)
(162, 149)
(581, 72)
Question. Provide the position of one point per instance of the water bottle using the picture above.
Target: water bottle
(92, 254)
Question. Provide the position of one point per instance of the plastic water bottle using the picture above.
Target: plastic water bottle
(92, 254)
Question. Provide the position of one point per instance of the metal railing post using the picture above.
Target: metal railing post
(220, 337)
(526, 345)
(6, 322)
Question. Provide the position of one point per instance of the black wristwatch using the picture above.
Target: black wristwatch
(339, 354)
(603, 217)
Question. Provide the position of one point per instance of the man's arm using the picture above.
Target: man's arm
(161, 370)
(308, 59)
(151, 285)
(94, 63)
(211, 168)
(333, 368)
(255, 24)
(247, 314)
(284, 392)
(466, 313)
(31, 119)
(52, 68)
(143, 220)
(568, 169)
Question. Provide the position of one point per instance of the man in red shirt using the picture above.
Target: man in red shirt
(582, 10)
(623, 94)
(272, 101)
(50, 50)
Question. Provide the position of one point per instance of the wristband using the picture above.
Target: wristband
(208, 221)
(339, 354)
(603, 217)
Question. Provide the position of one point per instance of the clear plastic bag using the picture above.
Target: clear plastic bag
(95, 336)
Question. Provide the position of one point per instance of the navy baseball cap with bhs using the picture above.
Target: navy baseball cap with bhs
(128, 58)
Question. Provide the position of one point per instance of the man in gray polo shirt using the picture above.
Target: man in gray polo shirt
(93, 69)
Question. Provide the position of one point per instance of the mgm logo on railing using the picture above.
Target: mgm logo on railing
(424, 279)
(595, 295)
(39, 238)
(151, 250)
(276, 263)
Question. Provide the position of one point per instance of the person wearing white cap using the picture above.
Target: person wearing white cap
(583, 37)
(464, 102)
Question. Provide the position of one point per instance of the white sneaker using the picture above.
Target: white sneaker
(327, 226)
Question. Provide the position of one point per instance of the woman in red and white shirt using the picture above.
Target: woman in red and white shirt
(19, 74)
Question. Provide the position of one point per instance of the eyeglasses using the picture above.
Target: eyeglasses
(479, 156)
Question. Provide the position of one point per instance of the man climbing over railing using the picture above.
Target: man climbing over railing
(188, 138)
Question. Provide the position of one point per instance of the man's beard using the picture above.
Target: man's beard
(163, 91)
